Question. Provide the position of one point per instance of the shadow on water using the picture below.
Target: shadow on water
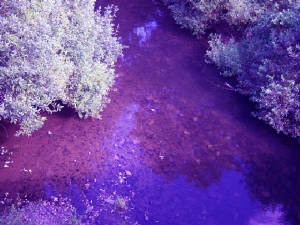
(67, 112)
(174, 146)
(3, 132)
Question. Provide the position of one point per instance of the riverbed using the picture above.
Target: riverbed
(174, 146)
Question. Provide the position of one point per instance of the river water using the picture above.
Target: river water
(175, 145)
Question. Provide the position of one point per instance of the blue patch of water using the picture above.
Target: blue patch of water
(144, 32)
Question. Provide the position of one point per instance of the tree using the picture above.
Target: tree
(55, 51)
(266, 63)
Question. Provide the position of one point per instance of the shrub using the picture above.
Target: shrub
(279, 105)
(266, 62)
(196, 15)
(200, 15)
(55, 51)
(263, 55)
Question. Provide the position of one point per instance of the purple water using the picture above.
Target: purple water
(175, 145)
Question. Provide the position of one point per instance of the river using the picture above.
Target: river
(175, 145)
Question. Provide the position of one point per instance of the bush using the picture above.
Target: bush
(196, 15)
(263, 54)
(55, 51)
(266, 62)
(200, 15)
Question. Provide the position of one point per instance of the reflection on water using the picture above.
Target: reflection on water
(144, 32)
(172, 147)
(272, 217)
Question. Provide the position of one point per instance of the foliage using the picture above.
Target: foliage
(55, 51)
(200, 15)
(266, 62)
(263, 54)
(279, 105)
(60, 212)
(196, 15)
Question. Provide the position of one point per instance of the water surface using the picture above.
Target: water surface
(174, 146)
